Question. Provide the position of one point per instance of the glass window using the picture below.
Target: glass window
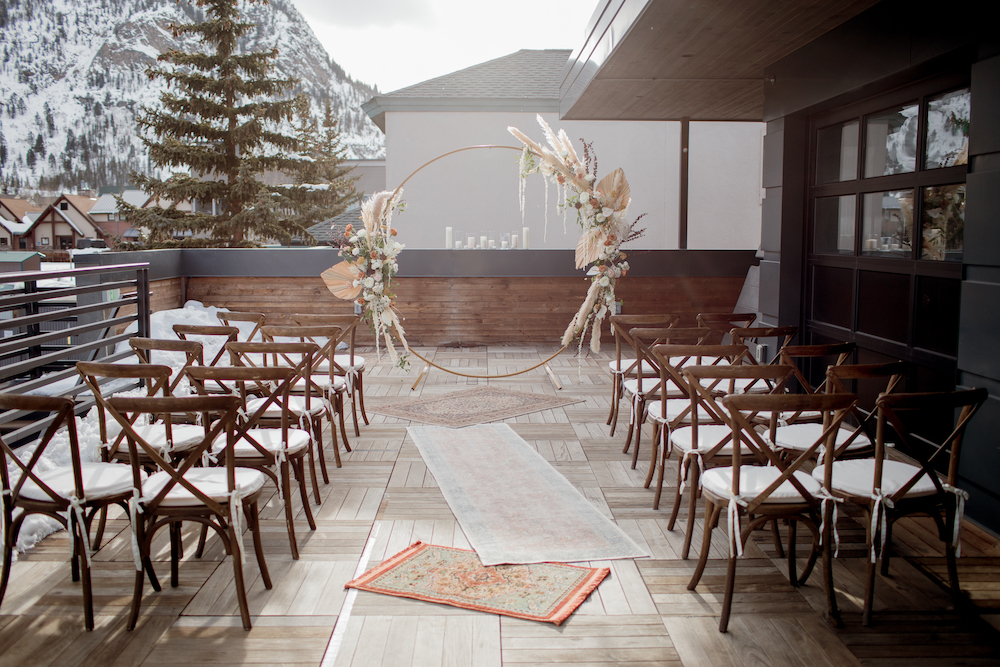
(888, 223)
(948, 129)
(833, 230)
(891, 142)
(943, 222)
(837, 153)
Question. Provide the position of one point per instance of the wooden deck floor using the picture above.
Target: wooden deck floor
(383, 499)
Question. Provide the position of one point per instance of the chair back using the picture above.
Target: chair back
(211, 336)
(893, 410)
(348, 325)
(192, 350)
(61, 414)
(834, 407)
(879, 378)
(672, 359)
(230, 317)
(799, 356)
(156, 378)
(218, 416)
(325, 336)
(723, 323)
(644, 338)
(622, 324)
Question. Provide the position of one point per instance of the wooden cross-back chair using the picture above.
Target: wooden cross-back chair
(623, 367)
(325, 380)
(672, 413)
(853, 441)
(229, 318)
(273, 451)
(722, 324)
(70, 494)
(351, 365)
(217, 497)
(643, 389)
(888, 489)
(707, 440)
(307, 403)
(771, 489)
(213, 335)
(192, 350)
(801, 357)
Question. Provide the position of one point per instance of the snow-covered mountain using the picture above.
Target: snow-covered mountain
(73, 78)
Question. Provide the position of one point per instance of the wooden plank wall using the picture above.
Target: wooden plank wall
(466, 311)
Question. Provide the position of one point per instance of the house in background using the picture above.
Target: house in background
(881, 168)
(477, 192)
(62, 224)
(16, 216)
(106, 215)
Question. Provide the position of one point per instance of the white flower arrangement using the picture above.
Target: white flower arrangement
(600, 211)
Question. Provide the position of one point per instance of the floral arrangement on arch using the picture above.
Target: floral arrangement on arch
(600, 206)
(368, 268)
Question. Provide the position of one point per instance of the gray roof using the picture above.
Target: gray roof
(527, 80)
(327, 231)
(106, 203)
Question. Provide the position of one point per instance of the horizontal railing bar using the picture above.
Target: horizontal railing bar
(45, 359)
(8, 302)
(51, 336)
(17, 322)
(56, 376)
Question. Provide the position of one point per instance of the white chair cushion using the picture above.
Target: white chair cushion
(675, 406)
(344, 361)
(647, 368)
(801, 437)
(269, 438)
(754, 479)
(738, 385)
(185, 436)
(631, 386)
(100, 480)
(709, 435)
(296, 405)
(210, 481)
(857, 477)
(323, 382)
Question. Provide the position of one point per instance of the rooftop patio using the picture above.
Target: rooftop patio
(383, 499)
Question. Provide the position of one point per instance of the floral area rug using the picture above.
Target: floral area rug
(547, 592)
(473, 406)
(513, 506)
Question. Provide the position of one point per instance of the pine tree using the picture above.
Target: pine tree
(218, 131)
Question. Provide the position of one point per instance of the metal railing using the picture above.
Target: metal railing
(49, 320)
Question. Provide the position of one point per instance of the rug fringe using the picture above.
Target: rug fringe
(577, 597)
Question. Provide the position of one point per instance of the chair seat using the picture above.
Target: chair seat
(647, 368)
(709, 435)
(738, 385)
(754, 479)
(856, 477)
(801, 437)
(210, 481)
(269, 438)
(675, 406)
(100, 480)
(323, 382)
(296, 405)
(344, 361)
(631, 386)
(185, 436)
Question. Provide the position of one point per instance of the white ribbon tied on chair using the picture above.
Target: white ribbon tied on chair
(279, 458)
(76, 512)
(134, 510)
(827, 499)
(880, 522)
(699, 458)
(236, 517)
(960, 497)
(735, 534)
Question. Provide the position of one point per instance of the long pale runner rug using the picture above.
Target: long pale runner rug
(512, 504)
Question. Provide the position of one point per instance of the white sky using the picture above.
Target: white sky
(393, 44)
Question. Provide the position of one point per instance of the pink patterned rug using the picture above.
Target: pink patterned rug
(547, 592)
(473, 406)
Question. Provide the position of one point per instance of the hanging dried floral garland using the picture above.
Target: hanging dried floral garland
(600, 211)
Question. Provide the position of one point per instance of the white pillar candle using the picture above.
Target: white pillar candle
(447, 237)
(524, 237)
(482, 242)
(471, 245)
(458, 245)
(504, 245)
(493, 244)
(513, 240)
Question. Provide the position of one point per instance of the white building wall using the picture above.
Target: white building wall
(476, 191)
(724, 185)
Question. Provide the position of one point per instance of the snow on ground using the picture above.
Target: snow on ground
(57, 454)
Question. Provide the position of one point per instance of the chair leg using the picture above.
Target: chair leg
(660, 443)
(289, 516)
(300, 476)
(101, 523)
(202, 539)
(77, 535)
(616, 396)
(317, 428)
(776, 537)
(253, 522)
(640, 419)
(631, 426)
(359, 386)
(694, 483)
(343, 428)
(711, 520)
(887, 551)
(241, 593)
(8, 551)
(792, 577)
(869, 594)
(727, 601)
(354, 414)
(675, 510)
(174, 530)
